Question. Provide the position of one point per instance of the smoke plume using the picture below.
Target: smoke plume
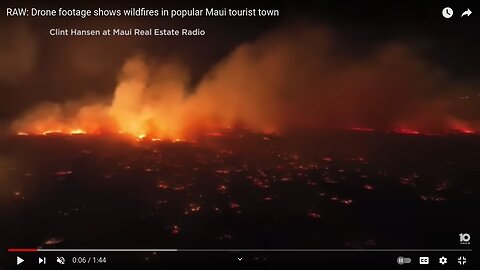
(297, 77)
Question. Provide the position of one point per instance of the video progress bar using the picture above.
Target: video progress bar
(229, 250)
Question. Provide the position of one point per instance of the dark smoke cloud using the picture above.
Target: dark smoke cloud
(18, 51)
(300, 76)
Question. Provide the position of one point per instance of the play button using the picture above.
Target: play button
(19, 260)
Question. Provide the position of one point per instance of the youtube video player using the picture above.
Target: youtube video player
(160, 134)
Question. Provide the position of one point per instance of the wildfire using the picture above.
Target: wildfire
(407, 131)
(216, 134)
(258, 86)
(156, 102)
(141, 136)
(53, 132)
(466, 131)
(50, 132)
(78, 131)
(411, 131)
(148, 137)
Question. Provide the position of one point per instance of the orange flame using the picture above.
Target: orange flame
(78, 131)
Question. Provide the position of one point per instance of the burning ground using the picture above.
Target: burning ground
(239, 189)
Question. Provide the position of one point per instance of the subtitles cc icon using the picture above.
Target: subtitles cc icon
(424, 260)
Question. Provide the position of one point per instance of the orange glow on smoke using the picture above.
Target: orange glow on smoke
(147, 103)
(271, 85)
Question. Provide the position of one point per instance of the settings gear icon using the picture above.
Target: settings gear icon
(442, 260)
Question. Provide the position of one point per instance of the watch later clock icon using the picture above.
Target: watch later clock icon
(447, 12)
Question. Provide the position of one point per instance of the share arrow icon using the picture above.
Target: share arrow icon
(467, 12)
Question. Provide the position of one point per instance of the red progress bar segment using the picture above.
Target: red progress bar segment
(22, 250)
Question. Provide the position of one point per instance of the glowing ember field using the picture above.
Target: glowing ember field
(237, 189)
(147, 136)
